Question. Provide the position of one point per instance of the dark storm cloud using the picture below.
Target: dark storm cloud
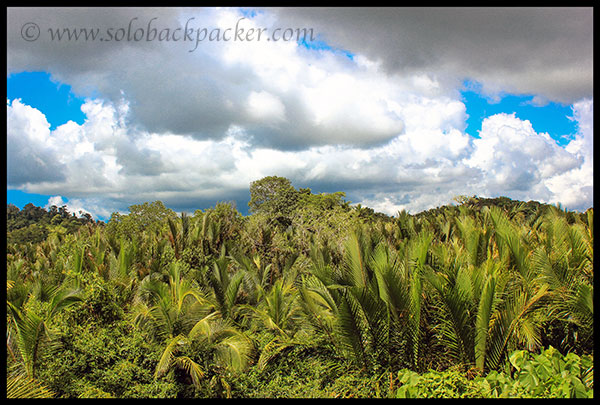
(28, 164)
(541, 51)
(172, 90)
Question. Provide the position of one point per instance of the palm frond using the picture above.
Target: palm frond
(203, 326)
(19, 386)
(482, 322)
(31, 331)
(233, 352)
(355, 262)
(192, 368)
(351, 326)
(168, 353)
(271, 350)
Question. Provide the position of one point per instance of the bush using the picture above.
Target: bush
(297, 372)
(545, 375)
(451, 383)
(94, 361)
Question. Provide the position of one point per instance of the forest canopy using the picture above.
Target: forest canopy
(308, 296)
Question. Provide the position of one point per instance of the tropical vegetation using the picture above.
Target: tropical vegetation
(308, 296)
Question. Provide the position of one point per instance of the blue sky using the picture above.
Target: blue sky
(58, 103)
(552, 118)
(397, 115)
(318, 44)
(21, 198)
(56, 100)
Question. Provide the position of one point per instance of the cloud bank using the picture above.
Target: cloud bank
(385, 124)
(104, 159)
(522, 50)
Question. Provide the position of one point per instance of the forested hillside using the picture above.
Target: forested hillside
(308, 296)
(34, 224)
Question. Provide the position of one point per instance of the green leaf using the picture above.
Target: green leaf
(517, 359)
(18, 386)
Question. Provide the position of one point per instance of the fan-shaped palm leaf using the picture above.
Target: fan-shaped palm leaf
(19, 386)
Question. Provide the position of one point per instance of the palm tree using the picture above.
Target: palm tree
(468, 298)
(278, 311)
(317, 300)
(180, 316)
(168, 308)
(32, 330)
(257, 275)
(372, 303)
(179, 238)
(488, 291)
(565, 260)
(212, 340)
(226, 287)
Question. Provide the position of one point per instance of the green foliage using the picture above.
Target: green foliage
(273, 196)
(18, 386)
(545, 375)
(299, 371)
(307, 297)
(33, 233)
(436, 384)
(101, 304)
(148, 217)
(33, 224)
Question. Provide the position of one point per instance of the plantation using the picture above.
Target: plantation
(306, 297)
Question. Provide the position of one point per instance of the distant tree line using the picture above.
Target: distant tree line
(33, 224)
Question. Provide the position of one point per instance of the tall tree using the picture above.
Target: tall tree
(273, 196)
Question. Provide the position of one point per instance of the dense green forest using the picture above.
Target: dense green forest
(34, 224)
(308, 296)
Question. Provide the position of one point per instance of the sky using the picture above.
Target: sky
(400, 108)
